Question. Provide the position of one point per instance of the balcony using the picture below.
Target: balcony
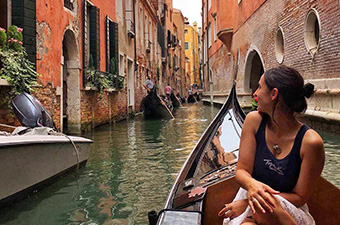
(103, 81)
(226, 36)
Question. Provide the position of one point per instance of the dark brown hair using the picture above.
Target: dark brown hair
(291, 87)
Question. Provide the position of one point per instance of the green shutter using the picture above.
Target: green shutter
(24, 16)
(113, 43)
(93, 38)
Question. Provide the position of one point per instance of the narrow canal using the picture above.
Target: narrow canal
(131, 168)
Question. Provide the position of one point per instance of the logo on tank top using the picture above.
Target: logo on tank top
(272, 166)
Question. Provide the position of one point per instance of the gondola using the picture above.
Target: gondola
(154, 107)
(176, 102)
(206, 181)
(197, 96)
(191, 99)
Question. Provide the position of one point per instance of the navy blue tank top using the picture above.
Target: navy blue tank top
(279, 174)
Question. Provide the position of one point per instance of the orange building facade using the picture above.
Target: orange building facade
(71, 43)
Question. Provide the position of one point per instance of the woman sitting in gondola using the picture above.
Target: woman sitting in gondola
(279, 157)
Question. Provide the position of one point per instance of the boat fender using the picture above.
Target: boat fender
(153, 217)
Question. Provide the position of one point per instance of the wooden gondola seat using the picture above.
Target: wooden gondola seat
(216, 197)
(324, 203)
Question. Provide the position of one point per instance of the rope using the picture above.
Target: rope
(74, 147)
(8, 126)
(52, 132)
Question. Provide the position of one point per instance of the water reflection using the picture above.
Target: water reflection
(132, 166)
(332, 166)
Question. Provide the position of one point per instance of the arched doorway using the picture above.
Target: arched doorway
(70, 101)
(253, 71)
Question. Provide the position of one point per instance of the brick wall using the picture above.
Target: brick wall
(260, 30)
(98, 109)
(45, 94)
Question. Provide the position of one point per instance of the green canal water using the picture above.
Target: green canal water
(131, 168)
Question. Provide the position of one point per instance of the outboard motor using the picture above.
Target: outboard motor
(30, 112)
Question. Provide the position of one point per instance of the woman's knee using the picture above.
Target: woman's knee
(248, 221)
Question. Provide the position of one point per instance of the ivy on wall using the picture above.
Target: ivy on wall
(15, 66)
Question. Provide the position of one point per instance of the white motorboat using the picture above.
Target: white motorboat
(29, 162)
(33, 155)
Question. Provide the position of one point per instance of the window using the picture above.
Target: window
(279, 45)
(112, 47)
(92, 36)
(312, 31)
(119, 7)
(209, 4)
(128, 14)
(209, 35)
(146, 31)
(24, 16)
(141, 27)
(186, 45)
(186, 31)
(215, 29)
(121, 65)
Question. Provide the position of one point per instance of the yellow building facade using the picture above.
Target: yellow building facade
(191, 52)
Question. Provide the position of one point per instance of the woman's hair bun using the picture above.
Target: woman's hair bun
(308, 90)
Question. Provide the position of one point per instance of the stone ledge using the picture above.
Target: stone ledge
(326, 117)
(4, 82)
(91, 89)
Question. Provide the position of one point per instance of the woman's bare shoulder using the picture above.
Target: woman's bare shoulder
(312, 142)
(253, 120)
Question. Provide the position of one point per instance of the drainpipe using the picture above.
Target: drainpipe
(208, 69)
(135, 42)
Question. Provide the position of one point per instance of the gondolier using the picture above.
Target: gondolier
(148, 84)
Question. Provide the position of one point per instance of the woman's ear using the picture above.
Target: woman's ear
(274, 93)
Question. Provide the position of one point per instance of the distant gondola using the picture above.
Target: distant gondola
(191, 99)
(154, 107)
(176, 102)
(197, 96)
(207, 180)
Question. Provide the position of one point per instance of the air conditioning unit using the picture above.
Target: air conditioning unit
(130, 29)
(131, 34)
(148, 48)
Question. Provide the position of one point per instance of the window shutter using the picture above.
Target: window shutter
(93, 56)
(98, 37)
(113, 41)
(24, 16)
(107, 43)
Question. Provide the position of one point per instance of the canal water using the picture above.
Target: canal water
(131, 168)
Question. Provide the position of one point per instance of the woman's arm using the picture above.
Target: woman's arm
(256, 190)
(313, 158)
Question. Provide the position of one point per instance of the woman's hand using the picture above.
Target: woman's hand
(233, 209)
(278, 216)
(259, 197)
